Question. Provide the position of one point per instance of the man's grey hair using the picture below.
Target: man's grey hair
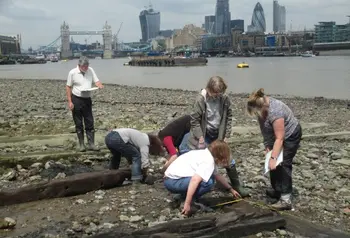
(83, 61)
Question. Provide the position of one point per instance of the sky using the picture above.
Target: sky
(39, 21)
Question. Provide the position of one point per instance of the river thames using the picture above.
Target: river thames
(306, 77)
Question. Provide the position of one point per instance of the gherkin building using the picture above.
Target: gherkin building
(258, 20)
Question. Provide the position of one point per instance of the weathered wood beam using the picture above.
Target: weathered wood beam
(303, 227)
(243, 219)
(70, 186)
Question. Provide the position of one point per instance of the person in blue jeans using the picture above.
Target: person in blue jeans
(211, 119)
(193, 174)
(136, 147)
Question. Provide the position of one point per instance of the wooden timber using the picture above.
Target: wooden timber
(69, 186)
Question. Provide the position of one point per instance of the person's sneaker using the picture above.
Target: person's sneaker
(273, 193)
(282, 205)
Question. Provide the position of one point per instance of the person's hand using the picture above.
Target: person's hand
(70, 106)
(201, 140)
(267, 150)
(99, 84)
(225, 139)
(272, 164)
(187, 209)
(168, 163)
(235, 193)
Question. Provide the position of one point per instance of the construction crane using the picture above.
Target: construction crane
(115, 37)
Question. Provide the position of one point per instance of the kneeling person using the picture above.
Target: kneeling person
(193, 174)
(136, 147)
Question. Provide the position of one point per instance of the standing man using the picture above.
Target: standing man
(79, 82)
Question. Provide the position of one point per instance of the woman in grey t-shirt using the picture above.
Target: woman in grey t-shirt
(280, 130)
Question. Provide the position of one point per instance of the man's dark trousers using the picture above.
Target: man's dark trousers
(83, 111)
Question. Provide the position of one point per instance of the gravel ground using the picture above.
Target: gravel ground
(37, 107)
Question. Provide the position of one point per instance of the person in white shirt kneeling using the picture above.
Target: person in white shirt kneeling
(193, 174)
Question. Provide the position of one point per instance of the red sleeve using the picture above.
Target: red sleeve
(169, 145)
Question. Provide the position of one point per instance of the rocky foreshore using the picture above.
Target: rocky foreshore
(37, 144)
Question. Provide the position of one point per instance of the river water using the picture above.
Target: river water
(327, 76)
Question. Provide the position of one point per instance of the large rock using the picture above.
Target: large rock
(69, 186)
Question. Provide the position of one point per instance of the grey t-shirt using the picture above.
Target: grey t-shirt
(138, 139)
(213, 114)
(277, 110)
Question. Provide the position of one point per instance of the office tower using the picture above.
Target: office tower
(258, 20)
(237, 24)
(150, 23)
(279, 17)
(222, 17)
(209, 24)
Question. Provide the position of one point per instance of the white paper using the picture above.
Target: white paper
(90, 89)
(267, 159)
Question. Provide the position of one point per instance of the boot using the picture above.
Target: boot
(233, 176)
(146, 178)
(91, 141)
(80, 135)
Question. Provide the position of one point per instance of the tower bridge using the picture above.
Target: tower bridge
(106, 33)
(110, 43)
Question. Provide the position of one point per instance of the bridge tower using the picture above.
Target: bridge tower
(65, 46)
(107, 41)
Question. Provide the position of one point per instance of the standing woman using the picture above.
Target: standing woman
(281, 131)
(212, 120)
(136, 147)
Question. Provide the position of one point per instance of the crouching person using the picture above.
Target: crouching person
(135, 146)
(193, 174)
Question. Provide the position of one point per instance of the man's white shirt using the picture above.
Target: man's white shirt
(80, 82)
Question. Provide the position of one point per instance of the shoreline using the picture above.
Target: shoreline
(35, 121)
(240, 94)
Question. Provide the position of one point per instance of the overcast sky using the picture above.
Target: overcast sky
(39, 20)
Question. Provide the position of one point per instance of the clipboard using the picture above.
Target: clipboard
(267, 159)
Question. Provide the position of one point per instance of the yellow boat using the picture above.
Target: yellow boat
(243, 65)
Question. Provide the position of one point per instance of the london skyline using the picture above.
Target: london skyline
(32, 19)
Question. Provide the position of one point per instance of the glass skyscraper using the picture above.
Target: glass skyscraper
(258, 20)
(150, 23)
(279, 17)
(209, 24)
(222, 17)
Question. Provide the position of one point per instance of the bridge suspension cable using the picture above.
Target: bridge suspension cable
(52, 43)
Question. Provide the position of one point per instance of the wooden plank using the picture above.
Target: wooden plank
(70, 186)
(242, 219)
(306, 228)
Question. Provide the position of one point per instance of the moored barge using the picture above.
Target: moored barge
(166, 61)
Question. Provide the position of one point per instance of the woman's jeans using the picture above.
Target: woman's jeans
(180, 186)
(118, 149)
(281, 177)
(184, 148)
